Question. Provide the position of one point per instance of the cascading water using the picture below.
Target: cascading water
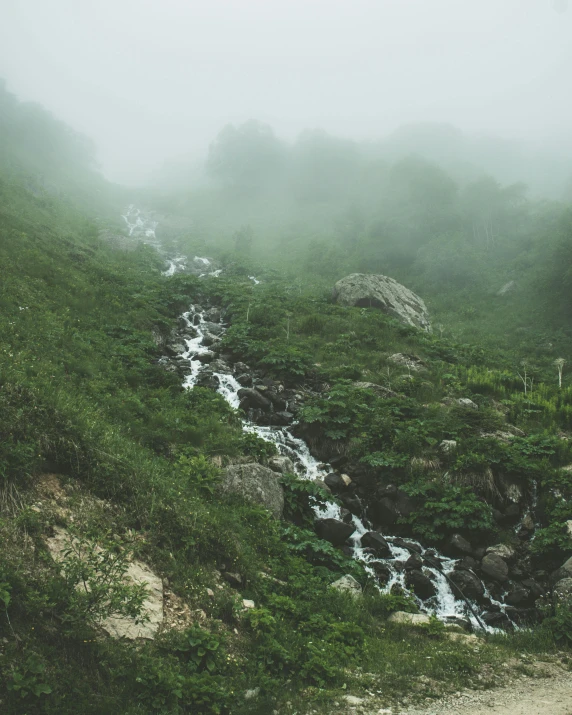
(443, 603)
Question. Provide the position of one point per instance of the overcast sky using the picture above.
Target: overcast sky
(150, 79)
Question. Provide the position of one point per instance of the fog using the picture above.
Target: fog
(150, 80)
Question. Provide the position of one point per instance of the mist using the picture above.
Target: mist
(151, 81)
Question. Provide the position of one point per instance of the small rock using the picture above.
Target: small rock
(210, 592)
(347, 584)
(353, 700)
(409, 619)
(459, 546)
(247, 603)
(251, 694)
(468, 404)
(448, 445)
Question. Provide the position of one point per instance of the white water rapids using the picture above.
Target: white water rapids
(443, 604)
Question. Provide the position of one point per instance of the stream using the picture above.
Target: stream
(444, 603)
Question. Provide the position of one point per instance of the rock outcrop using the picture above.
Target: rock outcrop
(376, 291)
(257, 484)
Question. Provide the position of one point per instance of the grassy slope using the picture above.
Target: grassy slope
(80, 395)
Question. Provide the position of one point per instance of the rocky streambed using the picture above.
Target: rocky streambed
(485, 586)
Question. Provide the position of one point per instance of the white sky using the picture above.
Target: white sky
(152, 79)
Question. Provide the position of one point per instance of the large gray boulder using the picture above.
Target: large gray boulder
(376, 291)
(255, 483)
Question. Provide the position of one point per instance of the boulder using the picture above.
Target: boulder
(495, 567)
(377, 543)
(335, 482)
(411, 362)
(409, 619)
(252, 398)
(347, 584)
(377, 291)
(333, 530)
(255, 483)
(519, 597)
(205, 357)
(562, 592)
(382, 570)
(565, 571)
(414, 562)
(469, 584)
(384, 511)
(281, 464)
(507, 553)
(496, 619)
(420, 584)
(459, 546)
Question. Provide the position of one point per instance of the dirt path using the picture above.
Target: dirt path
(551, 695)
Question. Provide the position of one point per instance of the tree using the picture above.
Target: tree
(247, 158)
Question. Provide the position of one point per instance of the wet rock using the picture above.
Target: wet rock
(213, 328)
(496, 619)
(377, 543)
(281, 419)
(252, 398)
(335, 482)
(338, 460)
(281, 464)
(458, 621)
(207, 379)
(420, 584)
(205, 357)
(409, 545)
(213, 315)
(346, 516)
(468, 562)
(175, 347)
(415, 561)
(245, 380)
(352, 503)
(469, 583)
(459, 546)
(562, 591)
(347, 584)
(241, 367)
(221, 366)
(495, 567)
(333, 530)
(255, 483)
(382, 570)
(519, 597)
(209, 341)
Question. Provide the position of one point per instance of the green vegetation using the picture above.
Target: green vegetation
(137, 459)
